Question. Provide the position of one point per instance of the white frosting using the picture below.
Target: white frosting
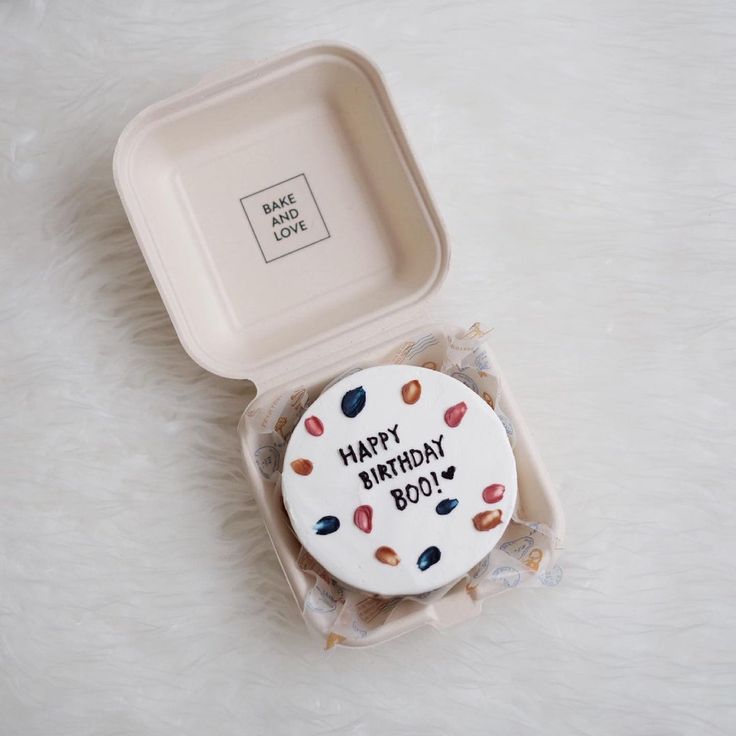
(404, 520)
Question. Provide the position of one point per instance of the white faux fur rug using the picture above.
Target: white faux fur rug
(584, 157)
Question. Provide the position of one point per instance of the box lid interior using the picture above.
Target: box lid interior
(280, 209)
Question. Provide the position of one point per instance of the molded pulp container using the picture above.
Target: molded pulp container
(291, 235)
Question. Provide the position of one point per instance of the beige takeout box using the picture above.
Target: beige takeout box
(291, 235)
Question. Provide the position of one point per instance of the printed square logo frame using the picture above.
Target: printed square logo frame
(285, 218)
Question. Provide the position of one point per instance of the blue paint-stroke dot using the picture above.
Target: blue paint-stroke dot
(353, 402)
(327, 525)
(430, 556)
(446, 506)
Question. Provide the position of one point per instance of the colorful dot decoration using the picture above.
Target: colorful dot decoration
(327, 525)
(454, 415)
(314, 426)
(494, 493)
(430, 556)
(363, 518)
(388, 556)
(302, 466)
(446, 506)
(411, 392)
(487, 520)
(353, 402)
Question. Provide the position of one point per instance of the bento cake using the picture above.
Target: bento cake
(399, 479)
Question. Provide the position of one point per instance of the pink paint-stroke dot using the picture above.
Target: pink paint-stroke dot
(494, 493)
(363, 518)
(454, 415)
(314, 426)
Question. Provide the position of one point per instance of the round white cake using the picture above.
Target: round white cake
(398, 480)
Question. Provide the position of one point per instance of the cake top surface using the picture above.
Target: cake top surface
(399, 479)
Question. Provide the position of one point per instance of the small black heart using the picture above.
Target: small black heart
(448, 474)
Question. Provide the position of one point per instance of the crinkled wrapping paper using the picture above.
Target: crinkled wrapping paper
(525, 556)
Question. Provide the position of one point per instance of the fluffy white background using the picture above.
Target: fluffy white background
(584, 157)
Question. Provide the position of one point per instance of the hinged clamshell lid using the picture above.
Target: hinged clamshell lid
(281, 213)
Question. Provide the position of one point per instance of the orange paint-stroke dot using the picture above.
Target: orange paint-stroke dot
(486, 520)
(411, 392)
(388, 556)
(302, 466)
